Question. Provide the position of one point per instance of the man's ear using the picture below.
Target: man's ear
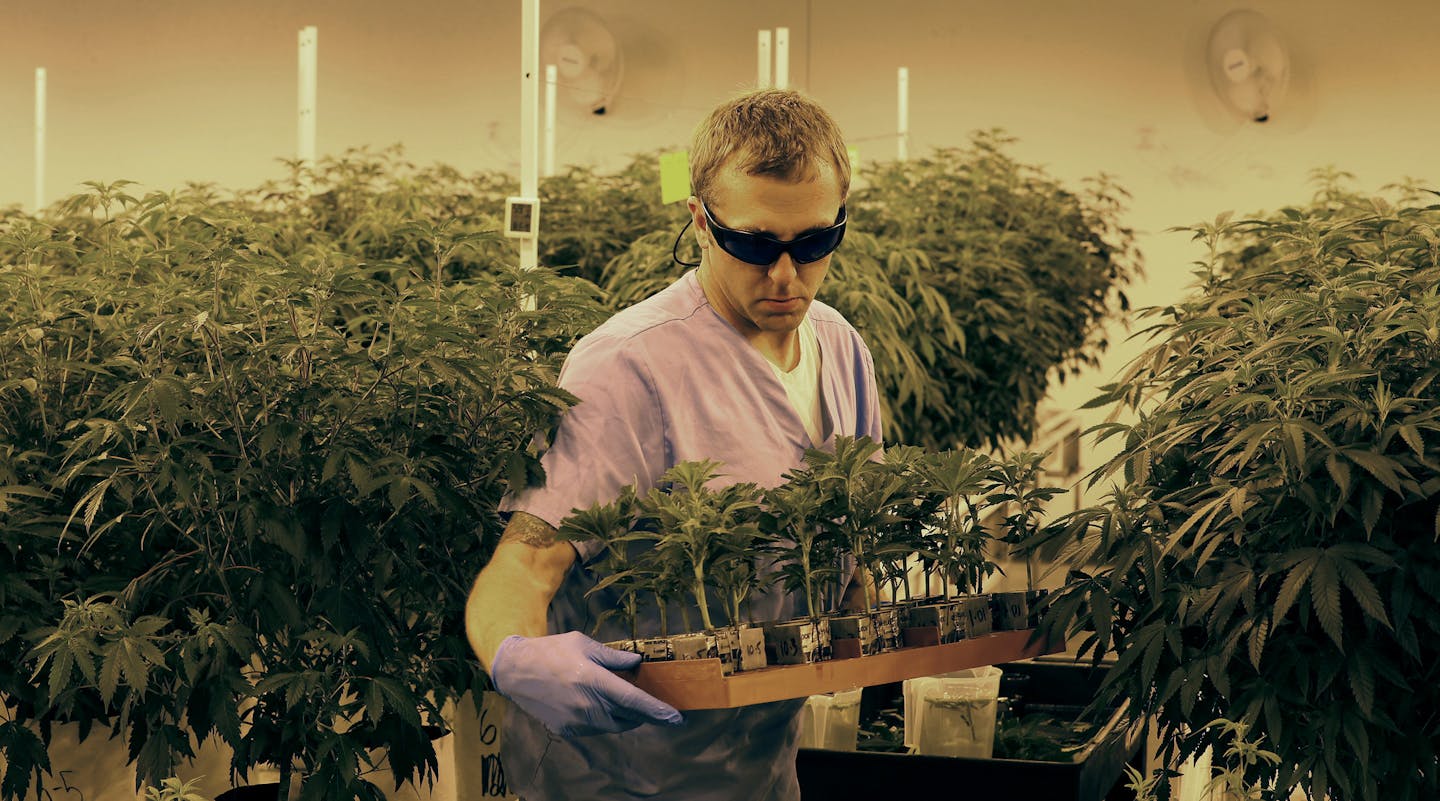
(697, 219)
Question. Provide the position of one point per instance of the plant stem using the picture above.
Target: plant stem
(287, 776)
(699, 590)
(664, 610)
(809, 582)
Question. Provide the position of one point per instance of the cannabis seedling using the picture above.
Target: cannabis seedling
(807, 556)
(693, 524)
(612, 524)
(961, 477)
(857, 495)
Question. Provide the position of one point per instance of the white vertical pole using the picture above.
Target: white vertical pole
(762, 72)
(39, 139)
(902, 141)
(309, 76)
(551, 76)
(782, 58)
(529, 118)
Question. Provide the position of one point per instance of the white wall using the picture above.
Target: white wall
(1102, 86)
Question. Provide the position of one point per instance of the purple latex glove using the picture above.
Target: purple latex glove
(566, 681)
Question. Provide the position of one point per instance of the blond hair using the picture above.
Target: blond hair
(778, 133)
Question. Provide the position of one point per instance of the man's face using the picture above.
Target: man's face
(772, 298)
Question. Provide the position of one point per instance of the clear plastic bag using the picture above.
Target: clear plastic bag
(831, 721)
(953, 714)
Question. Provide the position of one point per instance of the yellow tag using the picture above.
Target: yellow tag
(854, 153)
(674, 176)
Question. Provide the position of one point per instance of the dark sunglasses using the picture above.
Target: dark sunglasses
(764, 250)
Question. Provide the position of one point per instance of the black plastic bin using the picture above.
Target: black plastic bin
(1096, 775)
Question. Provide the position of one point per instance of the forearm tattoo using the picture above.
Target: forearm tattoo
(527, 529)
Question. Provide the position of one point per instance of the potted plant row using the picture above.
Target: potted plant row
(699, 544)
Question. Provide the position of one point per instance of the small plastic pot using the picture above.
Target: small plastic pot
(752, 647)
(1010, 611)
(976, 609)
(793, 642)
(854, 635)
(887, 627)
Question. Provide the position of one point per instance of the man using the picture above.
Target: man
(736, 362)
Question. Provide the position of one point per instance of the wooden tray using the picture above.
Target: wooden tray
(699, 684)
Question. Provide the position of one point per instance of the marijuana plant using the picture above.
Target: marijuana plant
(1017, 275)
(612, 524)
(592, 218)
(696, 526)
(1271, 557)
(226, 452)
(1023, 500)
(858, 494)
(909, 519)
(956, 543)
(805, 556)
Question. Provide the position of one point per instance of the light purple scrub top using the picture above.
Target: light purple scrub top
(665, 381)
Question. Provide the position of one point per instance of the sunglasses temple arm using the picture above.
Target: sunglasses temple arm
(675, 248)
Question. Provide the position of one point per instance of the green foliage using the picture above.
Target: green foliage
(974, 279)
(806, 558)
(251, 450)
(957, 545)
(694, 532)
(1018, 274)
(696, 526)
(611, 524)
(590, 219)
(1232, 770)
(1022, 500)
(860, 493)
(1041, 738)
(685, 534)
(26, 759)
(174, 790)
(1272, 557)
(884, 734)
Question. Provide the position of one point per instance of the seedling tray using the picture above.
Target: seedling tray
(700, 684)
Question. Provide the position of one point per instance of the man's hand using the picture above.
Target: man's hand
(567, 682)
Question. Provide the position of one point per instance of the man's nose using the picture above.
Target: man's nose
(783, 271)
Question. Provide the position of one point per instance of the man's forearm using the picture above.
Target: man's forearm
(513, 592)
